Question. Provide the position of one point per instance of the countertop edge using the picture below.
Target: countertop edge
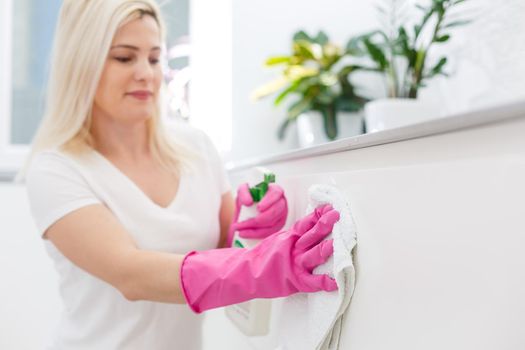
(451, 123)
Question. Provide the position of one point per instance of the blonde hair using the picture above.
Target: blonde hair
(83, 37)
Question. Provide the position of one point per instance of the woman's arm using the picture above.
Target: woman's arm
(226, 217)
(94, 240)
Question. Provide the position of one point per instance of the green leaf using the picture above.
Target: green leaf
(354, 47)
(301, 35)
(299, 71)
(417, 29)
(344, 71)
(440, 64)
(376, 53)
(349, 104)
(308, 50)
(325, 97)
(306, 84)
(331, 54)
(421, 7)
(292, 88)
(322, 38)
(330, 122)
(275, 60)
(299, 107)
(442, 38)
(425, 19)
(270, 88)
(457, 23)
(282, 129)
(437, 69)
(403, 41)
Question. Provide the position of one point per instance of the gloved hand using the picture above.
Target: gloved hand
(278, 266)
(272, 212)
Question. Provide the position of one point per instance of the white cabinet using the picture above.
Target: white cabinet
(441, 232)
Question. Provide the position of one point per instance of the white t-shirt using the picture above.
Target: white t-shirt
(95, 315)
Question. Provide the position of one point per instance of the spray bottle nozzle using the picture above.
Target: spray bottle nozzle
(259, 190)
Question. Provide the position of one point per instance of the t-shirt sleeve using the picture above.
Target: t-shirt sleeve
(55, 188)
(217, 165)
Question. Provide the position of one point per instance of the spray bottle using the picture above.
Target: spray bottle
(257, 192)
(252, 317)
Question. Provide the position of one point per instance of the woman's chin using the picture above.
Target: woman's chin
(138, 117)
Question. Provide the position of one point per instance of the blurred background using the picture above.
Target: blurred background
(217, 52)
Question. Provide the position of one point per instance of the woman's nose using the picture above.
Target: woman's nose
(143, 70)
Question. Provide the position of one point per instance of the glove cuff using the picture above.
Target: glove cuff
(183, 288)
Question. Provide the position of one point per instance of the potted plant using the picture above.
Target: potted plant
(314, 72)
(402, 56)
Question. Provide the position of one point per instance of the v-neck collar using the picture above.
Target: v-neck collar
(135, 186)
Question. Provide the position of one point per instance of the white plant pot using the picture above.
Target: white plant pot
(392, 113)
(310, 127)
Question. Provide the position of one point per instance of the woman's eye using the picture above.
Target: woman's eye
(123, 59)
(154, 60)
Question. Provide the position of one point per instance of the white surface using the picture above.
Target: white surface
(389, 113)
(441, 233)
(29, 300)
(482, 74)
(310, 127)
(211, 69)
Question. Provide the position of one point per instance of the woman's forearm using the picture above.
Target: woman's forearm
(152, 276)
(225, 218)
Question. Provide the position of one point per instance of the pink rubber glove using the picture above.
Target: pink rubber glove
(278, 266)
(272, 212)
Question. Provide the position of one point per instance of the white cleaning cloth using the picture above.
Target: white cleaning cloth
(313, 321)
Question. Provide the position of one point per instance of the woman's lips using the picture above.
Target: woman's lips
(141, 95)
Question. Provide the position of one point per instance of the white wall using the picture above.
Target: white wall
(29, 299)
(487, 59)
(210, 91)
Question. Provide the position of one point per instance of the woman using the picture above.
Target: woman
(132, 220)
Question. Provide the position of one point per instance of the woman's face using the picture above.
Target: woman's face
(130, 83)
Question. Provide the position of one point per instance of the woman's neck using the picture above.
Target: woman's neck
(119, 140)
